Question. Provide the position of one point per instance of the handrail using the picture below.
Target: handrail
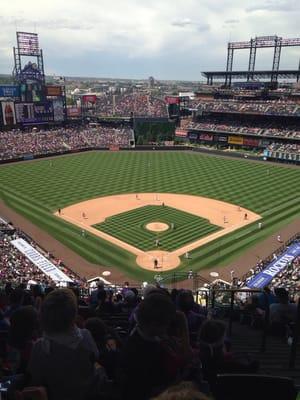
(232, 292)
(296, 334)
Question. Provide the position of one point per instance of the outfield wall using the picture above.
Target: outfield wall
(216, 152)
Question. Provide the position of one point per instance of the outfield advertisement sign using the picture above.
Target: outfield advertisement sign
(251, 142)
(193, 135)
(73, 112)
(25, 112)
(282, 156)
(43, 112)
(8, 113)
(235, 140)
(58, 110)
(206, 137)
(265, 277)
(181, 132)
(9, 91)
(220, 139)
(40, 261)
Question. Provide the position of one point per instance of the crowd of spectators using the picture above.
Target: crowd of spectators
(138, 105)
(265, 129)
(15, 143)
(123, 345)
(265, 107)
(74, 349)
(292, 148)
(288, 278)
(18, 269)
(119, 344)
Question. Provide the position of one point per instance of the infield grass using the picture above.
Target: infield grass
(130, 227)
(36, 189)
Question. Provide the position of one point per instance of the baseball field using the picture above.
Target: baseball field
(148, 218)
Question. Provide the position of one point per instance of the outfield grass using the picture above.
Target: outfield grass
(130, 227)
(36, 189)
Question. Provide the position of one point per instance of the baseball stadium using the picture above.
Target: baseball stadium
(118, 196)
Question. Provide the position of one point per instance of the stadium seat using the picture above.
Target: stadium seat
(250, 387)
(32, 393)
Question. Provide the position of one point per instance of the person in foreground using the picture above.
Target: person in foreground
(64, 359)
(150, 361)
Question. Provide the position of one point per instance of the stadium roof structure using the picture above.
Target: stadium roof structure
(259, 42)
(266, 74)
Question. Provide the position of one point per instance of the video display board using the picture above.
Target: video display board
(73, 112)
(43, 112)
(53, 91)
(25, 112)
(58, 110)
(89, 99)
(28, 44)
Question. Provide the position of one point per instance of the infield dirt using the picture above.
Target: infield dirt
(228, 216)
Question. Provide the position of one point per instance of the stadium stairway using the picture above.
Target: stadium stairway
(67, 146)
(86, 139)
(275, 360)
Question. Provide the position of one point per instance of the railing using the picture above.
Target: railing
(296, 335)
(278, 251)
(266, 325)
(172, 280)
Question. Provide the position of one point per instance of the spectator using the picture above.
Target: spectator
(182, 391)
(214, 353)
(150, 359)
(283, 311)
(108, 345)
(64, 359)
(22, 334)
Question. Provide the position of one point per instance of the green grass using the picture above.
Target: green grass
(36, 189)
(130, 227)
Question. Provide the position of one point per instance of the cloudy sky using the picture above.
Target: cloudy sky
(169, 39)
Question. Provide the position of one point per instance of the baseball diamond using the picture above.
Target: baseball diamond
(131, 227)
(37, 190)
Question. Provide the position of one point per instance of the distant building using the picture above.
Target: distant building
(151, 82)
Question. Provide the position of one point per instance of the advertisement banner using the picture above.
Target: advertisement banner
(235, 139)
(222, 139)
(264, 277)
(43, 112)
(9, 91)
(193, 135)
(54, 91)
(40, 261)
(89, 99)
(58, 110)
(25, 112)
(251, 142)
(8, 113)
(73, 112)
(172, 100)
(181, 132)
(206, 137)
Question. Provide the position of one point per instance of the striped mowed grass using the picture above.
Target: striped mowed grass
(130, 227)
(36, 189)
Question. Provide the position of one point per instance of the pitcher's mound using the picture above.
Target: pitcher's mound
(165, 260)
(157, 226)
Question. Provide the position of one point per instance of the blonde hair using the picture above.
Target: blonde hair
(182, 391)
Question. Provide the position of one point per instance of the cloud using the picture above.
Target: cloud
(232, 21)
(274, 5)
(137, 37)
(187, 22)
(182, 22)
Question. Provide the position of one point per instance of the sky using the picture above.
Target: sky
(167, 39)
